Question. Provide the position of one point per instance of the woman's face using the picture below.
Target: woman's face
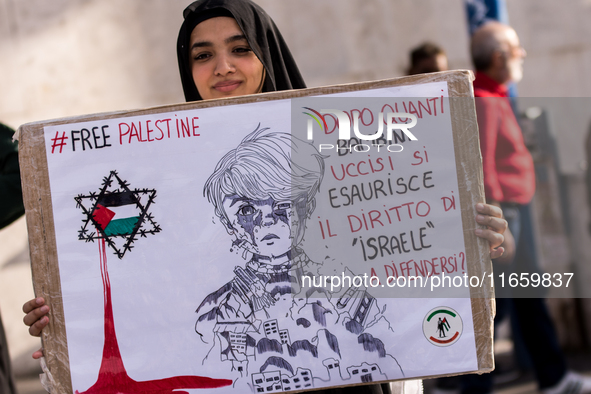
(222, 62)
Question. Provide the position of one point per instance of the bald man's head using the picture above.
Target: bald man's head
(496, 51)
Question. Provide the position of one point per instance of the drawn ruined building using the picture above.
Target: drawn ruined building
(366, 373)
(358, 303)
(363, 373)
(274, 381)
(272, 331)
(267, 382)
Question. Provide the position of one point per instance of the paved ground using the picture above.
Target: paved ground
(513, 382)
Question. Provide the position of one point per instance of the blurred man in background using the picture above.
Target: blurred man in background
(427, 58)
(509, 182)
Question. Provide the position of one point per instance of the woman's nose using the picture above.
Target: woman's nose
(224, 65)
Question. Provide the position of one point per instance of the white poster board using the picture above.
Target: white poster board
(161, 288)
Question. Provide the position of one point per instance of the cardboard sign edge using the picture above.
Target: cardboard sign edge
(42, 240)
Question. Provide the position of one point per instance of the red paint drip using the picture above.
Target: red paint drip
(112, 377)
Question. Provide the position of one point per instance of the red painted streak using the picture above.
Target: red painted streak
(447, 340)
(113, 378)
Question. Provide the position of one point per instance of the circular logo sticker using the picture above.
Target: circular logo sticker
(442, 326)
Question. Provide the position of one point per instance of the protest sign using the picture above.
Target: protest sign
(239, 244)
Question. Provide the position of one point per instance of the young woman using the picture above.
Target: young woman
(229, 48)
(232, 48)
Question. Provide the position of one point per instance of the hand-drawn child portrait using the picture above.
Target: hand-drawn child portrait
(263, 325)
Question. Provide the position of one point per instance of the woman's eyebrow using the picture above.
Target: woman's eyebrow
(200, 44)
(237, 37)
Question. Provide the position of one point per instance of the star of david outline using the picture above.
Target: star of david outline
(94, 228)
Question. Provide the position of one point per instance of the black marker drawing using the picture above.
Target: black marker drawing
(119, 229)
(117, 213)
(263, 325)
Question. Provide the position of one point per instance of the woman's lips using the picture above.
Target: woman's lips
(226, 86)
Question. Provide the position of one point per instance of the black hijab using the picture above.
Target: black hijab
(261, 33)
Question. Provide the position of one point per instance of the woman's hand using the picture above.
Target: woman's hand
(492, 217)
(36, 315)
(509, 246)
(38, 354)
(36, 318)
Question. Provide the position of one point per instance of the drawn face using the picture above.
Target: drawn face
(266, 227)
(222, 62)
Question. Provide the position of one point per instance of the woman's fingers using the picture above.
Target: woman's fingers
(496, 253)
(35, 316)
(36, 328)
(33, 304)
(497, 225)
(494, 238)
(490, 210)
(492, 217)
(38, 354)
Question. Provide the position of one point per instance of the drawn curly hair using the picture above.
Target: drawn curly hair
(267, 164)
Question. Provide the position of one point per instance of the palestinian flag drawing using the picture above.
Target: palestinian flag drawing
(442, 326)
(117, 214)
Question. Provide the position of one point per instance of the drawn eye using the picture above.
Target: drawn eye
(246, 210)
(283, 206)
